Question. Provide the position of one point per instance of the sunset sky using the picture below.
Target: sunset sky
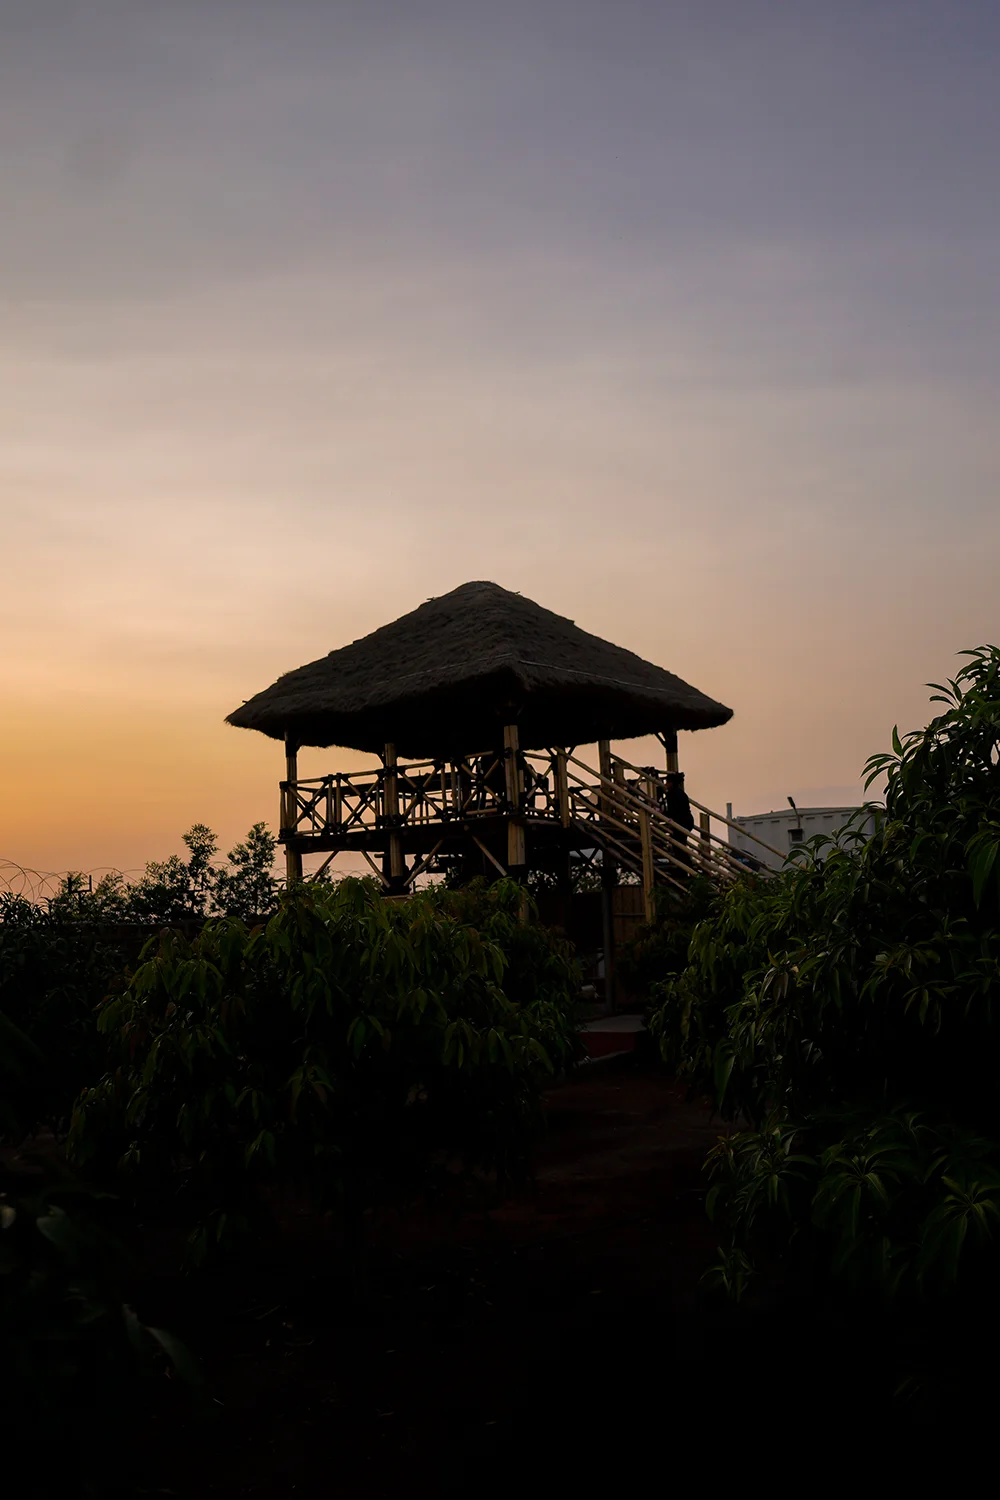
(682, 319)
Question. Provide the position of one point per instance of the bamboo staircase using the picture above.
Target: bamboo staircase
(622, 807)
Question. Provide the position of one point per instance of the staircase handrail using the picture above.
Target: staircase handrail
(647, 808)
(616, 792)
(736, 827)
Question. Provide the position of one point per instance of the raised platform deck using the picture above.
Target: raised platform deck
(519, 809)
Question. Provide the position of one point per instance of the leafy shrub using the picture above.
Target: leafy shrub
(540, 969)
(60, 960)
(176, 889)
(660, 948)
(78, 1367)
(179, 890)
(173, 889)
(849, 1010)
(54, 973)
(248, 889)
(338, 1046)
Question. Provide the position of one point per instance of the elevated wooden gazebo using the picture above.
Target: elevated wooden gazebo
(475, 703)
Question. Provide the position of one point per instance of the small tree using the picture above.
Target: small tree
(174, 889)
(344, 1044)
(851, 1009)
(248, 889)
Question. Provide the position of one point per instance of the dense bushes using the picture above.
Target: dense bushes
(849, 1011)
(349, 1046)
(60, 960)
(339, 1046)
(53, 975)
(659, 951)
(176, 889)
(78, 1367)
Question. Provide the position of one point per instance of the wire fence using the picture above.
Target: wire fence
(41, 886)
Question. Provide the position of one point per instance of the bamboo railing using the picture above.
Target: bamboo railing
(620, 804)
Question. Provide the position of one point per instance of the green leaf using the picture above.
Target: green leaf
(981, 866)
(725, 1061)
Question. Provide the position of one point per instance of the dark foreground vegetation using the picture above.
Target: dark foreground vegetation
(310, 1196)
(849, 1014)
(348, 1053)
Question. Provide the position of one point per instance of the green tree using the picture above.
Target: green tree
(248, 889)
(850, 1009)
(175, 889)
(54, 973)
(341, 1045)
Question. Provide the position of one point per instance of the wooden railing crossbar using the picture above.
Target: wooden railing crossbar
(736, 827)
(627, 816)
(647, 804)
(632, 859)
(669, 847)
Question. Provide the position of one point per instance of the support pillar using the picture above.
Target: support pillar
(604, 766)
(646, 845)
(396, 863)
(705, 837)
(562, 788)
(669, 739)
(515, 822)
(289, 810)
(609, 876)
(609, 880)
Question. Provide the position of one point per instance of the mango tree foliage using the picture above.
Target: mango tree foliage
(340, 1045)
(848, 1012)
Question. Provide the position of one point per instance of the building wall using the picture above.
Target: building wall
(780, 829)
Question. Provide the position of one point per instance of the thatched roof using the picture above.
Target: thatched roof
(445, 679)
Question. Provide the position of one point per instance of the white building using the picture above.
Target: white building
(789, 827)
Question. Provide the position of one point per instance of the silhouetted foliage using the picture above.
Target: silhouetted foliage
(78, 1367)
(174, 888)
(54, 973)
(540, 968)
(60, 960)
(660, 947)
(177, 889)
(248, 889)
(849, 1010)
(339, 1046)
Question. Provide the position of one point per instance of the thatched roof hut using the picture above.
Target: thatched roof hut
(445, 679)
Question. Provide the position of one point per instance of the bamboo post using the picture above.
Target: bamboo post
(565, 812)
(604, 766)
(289, 810)
(390, 805)
(515, 825)
(609, 873)
(705, 835)
(669, 738)
(647, 864)
(562, 788)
